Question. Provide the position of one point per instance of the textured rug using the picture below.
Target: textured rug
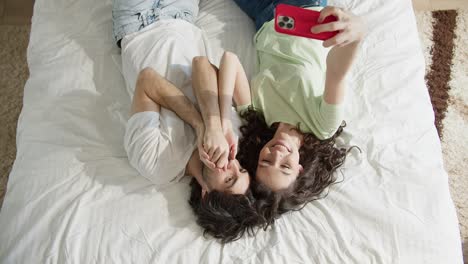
(445, 44)
(13, 75)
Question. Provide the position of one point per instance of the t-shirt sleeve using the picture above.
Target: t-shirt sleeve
(329, 118)
(145, 147)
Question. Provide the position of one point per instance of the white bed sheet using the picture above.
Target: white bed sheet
(73, 198)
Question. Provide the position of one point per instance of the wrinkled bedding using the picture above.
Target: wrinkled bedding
(73, 197)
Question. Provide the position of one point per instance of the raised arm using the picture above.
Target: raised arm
(345, 46)
(339, 61)
(205, 86)
(232, 84)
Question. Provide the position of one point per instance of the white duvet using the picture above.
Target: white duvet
(73, 198)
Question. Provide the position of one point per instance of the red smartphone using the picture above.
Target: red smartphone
(297, 21)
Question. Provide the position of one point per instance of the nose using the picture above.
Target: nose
(277, 151)
(276, 155)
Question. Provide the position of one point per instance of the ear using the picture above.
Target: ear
(203, 192)
(301, 169)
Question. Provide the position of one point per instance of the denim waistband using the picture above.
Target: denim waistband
(130, 16)
(262, 11)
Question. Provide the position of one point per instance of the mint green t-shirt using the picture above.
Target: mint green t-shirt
(290, 81)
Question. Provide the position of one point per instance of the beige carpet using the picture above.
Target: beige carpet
(13, 75)
(447, 80)
(452, 118)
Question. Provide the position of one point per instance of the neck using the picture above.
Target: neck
(287, 130)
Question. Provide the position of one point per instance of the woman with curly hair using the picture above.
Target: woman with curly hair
(296, 107)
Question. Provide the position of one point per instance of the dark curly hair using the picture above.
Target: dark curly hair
(226, 217)
(319, 158)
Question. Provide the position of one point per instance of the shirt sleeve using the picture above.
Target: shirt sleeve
(143, 143)
(329, 118)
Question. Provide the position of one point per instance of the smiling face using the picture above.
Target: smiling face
(278, 163)
(233, 180)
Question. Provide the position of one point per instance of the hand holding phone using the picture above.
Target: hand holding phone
(296, 21)
(351, 28)
(334, 25)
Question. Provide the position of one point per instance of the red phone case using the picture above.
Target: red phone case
(300, 21)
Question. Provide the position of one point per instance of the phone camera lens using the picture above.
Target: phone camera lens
(285, 19)
(289, 25)
(281, 24)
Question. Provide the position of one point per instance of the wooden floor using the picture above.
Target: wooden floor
(19, 12)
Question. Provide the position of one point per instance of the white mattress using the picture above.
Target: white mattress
(73, 198)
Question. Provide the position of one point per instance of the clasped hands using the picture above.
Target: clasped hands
(217, 144)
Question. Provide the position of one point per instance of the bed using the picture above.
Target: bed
(73, 197)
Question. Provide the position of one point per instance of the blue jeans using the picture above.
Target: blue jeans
(262, 11)
(129, 16)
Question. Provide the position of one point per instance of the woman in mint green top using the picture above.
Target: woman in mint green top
(294, 107)
(289, 84)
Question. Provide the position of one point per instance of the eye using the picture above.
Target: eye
(243, 170)
(229, 179)
(266, 161)
(286, 166)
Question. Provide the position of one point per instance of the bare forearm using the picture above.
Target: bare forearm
(345, 45)
(232, 83)
(334, 90)
(226, 83)
(170, 97)
(205, 85)
(340, 59)
(339, 62)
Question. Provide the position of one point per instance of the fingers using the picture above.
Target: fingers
(330, 11)
(211, 151)
(223, 160)
(205, 159)
(204, 155)
(328, 27)
(232, 155)
(216, 155)
(233, 152)
(209, 164)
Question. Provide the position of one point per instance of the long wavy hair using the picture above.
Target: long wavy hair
(319, 158)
